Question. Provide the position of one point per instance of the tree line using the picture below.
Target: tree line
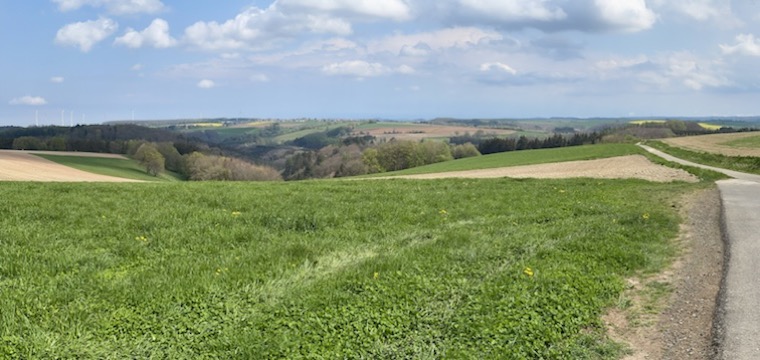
(497, 145)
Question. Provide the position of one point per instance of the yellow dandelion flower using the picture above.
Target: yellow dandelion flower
(443, 212)
(236, 213)
(528, 272)
(376, 275)
(645, 216)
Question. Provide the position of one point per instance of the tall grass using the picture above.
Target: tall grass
(499, 269)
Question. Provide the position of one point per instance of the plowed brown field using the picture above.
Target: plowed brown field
(24, 166)
(622, 167)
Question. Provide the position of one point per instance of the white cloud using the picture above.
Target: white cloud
(701, 10)
(626, 15)
(512, 10)
(256, 28)
(421, 44)
(545, 15)
(746, 44)
(206, 84)
(396, 10)
(136, 67)
(28, 100)
(86, 34)
(117, 7)
(356, 68)
(406, 70)
(497, 66)
(57, 79)
(363, 69)
(156, 35)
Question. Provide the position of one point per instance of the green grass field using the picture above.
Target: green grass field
(531, 157)
(748, 142)
(456, 269)
(748, 164)
(123, 168)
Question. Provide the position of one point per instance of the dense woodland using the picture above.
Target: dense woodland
(334, 152)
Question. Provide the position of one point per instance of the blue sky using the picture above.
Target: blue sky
(100, 60)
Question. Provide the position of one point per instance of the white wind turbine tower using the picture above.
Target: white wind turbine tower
(63, 121)
(37, 118)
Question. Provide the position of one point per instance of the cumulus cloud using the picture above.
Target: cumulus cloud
(357, 68)
(86, 34)
(511, 11)
(553, 15)
(700, 10)
(206, 84)
(422, 44)
(364, 69)
(257, 28)
(156, 35)
(116, 7)
(57, 79)
(626, 15)
(498, 67)
(396, 10)
(28, 100)
(746, 44)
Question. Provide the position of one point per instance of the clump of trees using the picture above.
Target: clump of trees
(498, 145)
(157, 157)
(352, 159)
(149, 157)
(221, 168)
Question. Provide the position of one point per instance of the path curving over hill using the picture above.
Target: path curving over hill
(737, 319)
(18, 165)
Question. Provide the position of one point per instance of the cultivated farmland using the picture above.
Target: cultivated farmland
(24, 166)
(735, 144)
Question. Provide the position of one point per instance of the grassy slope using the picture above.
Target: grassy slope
(517, 158)
(394, 269)
(748, 142)
(746, 164)
(123, 168)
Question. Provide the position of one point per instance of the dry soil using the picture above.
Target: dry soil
(23, 166)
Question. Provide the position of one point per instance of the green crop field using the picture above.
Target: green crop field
(747, 142)
(123, 168)
(480, 269)
(530, 157)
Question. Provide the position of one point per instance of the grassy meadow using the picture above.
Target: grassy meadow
(123, 168)
(748, 164)
(752, 142)
(393, 269)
